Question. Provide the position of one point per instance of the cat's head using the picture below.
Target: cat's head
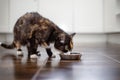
(64, 42)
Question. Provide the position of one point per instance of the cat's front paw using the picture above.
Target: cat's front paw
(33, 56)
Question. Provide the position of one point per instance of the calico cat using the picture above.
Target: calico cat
(32, 30)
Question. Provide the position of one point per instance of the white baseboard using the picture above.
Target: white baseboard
(9, 37)
(2, 37)
(81, 38)
(113, 38)
(78, 38)
(90, 38)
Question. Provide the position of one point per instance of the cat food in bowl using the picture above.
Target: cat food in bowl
(71, 56)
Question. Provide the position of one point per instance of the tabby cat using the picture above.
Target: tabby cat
(32, 30)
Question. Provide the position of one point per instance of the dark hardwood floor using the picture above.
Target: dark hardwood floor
(98, 62)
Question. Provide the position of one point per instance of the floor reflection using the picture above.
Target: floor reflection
(57, 69)
(14, 67)
(98, 62)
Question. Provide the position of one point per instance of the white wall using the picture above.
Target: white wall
(112, 20)
(19, 8)
(59, 11)
(4, 15)
(112, 15)
(88, 16)
(81, 16)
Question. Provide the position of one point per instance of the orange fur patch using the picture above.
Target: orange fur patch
(71, 44)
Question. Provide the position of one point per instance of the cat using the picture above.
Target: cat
(32, 30)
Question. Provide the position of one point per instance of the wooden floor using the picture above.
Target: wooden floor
(98, 62)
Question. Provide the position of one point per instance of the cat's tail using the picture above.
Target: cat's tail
(7, 46)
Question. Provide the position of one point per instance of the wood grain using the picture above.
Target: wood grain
(98, 62)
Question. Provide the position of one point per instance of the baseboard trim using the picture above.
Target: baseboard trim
(79, 37)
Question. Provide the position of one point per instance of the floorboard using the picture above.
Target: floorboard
(99, 61)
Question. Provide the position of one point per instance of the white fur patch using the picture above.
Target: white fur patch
(53, 56)
(19, 53)
(0, 43)
(33, 56)
(68, 53)
(48, 47)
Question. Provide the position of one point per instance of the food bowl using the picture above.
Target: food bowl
(71, 56)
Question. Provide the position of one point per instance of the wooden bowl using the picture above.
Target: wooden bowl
(71, 56)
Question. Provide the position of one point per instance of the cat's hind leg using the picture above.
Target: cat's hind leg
(19, 50)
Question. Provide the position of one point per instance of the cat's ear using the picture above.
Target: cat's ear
(72, 35)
